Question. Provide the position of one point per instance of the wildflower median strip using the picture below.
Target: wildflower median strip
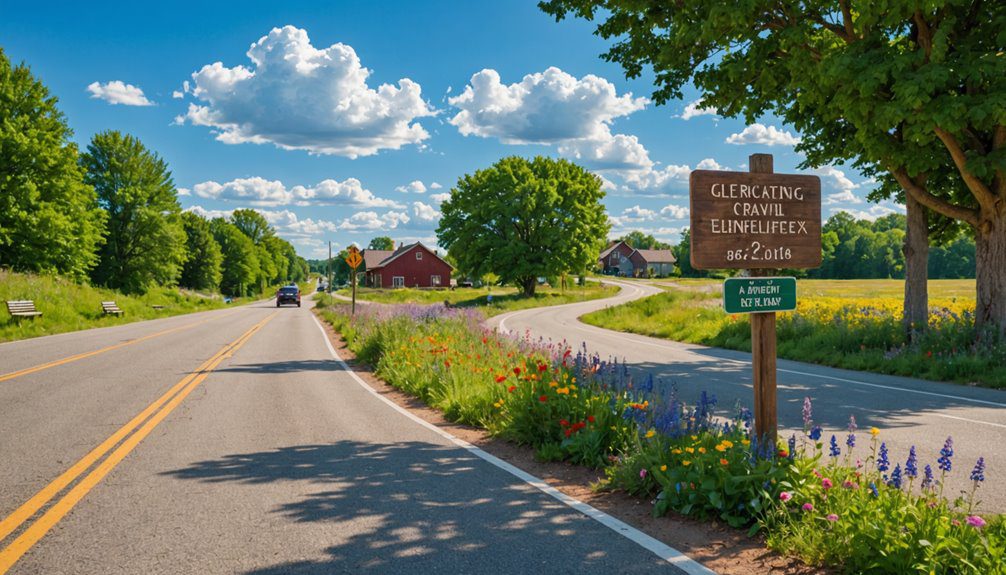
(813, 497)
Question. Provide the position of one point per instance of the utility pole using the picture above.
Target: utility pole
(329, 266)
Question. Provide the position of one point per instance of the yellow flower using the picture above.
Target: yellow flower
(702, 450)
(721, 448)
(562, 390)
(663, 468)
(686, 462)
(650, 434)
(694, 437)
(553, 384)
(746, 442)
(874, 431)
(727, 443)
(676, 451)
(690, 449)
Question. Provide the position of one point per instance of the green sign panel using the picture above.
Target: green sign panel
(759, 295)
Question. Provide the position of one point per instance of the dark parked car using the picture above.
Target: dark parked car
(288, 294)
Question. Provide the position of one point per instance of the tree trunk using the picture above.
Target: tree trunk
(916, 249)
(990, 259)
(528, 285)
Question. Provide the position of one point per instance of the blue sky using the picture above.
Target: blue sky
(299, 130)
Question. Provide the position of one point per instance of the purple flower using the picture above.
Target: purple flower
(945, 455)
(850, 441)
(975, 521)
(815, 433)
(852, 424)
(642, 474)
(832, 517)
(927, 477)
(912, 465)
(978, 473)
(807, 412)
(895, 481)
(883, 463)
(808, 506)
(834, 451)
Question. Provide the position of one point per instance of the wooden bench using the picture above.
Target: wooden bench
(22, 308)
(109, 308)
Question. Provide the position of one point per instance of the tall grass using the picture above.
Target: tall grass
(69, 306)
(862, 333)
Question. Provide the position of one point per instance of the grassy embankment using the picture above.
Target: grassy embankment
(852, 324)
(69, 306)
(504, 299)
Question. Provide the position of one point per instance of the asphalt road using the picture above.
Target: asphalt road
(231, 442)
(908, 411)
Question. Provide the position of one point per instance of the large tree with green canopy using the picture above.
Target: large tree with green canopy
(49, 218)
(523, 219)
(145, 241)
(201, 270)
(912, 90)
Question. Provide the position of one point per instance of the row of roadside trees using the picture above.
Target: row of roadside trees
(111, 214)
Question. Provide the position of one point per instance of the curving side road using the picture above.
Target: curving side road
(908, 411)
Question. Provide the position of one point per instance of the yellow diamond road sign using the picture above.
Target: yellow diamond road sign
(354, 260)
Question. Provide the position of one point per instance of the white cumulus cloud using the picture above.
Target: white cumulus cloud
(414, 187)
(440, 198)
(870, 214)
(546, 107)
(673, 212)
(118, 92)
(424, 212)
(695, 108)
(371, 222)
(762, 134)
(262, 192)
(299, 97)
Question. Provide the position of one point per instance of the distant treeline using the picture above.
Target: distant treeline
(111, 214)
(852, 249)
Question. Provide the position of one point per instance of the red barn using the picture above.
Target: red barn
(414, 265)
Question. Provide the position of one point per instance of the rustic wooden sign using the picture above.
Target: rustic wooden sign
(745, 220)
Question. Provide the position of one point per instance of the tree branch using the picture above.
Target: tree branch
(998, 141)
(924, 36)
(981, 191)
(850, 30)
(921, 195)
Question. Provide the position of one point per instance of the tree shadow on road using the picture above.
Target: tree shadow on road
(275, 367)
(414, 506)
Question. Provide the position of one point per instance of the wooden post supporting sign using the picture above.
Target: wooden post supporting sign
(757, 221)
(353, 259)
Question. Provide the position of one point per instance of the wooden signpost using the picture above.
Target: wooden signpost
(757, 221)
(353, 259)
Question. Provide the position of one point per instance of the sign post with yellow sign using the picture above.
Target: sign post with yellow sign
(353, 259)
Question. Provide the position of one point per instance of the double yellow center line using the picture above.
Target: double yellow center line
(142, 424)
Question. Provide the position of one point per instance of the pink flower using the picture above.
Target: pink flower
(642, 474)
(975, 521)
(808, 506)
(785, 496)
(832, 517)
(826, 483)
(850, 484)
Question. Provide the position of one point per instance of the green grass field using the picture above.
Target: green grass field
(69, 306)
(504, 299)
(853, 324)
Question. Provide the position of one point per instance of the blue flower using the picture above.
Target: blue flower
(850, 441)
(792, 446)
(873, 488)
(912, 465)
(978, 473)
(927, 477)
(945, 454)
(883, 463)
(815, 433)
(895, 481)
(834, 451)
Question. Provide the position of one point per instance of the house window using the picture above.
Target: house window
(434, 281)
(615, 258)
(419, 255)
(397, 281)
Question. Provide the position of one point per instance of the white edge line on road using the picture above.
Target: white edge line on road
(665, 345)
(665, 552)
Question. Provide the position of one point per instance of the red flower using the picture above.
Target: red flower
(542, 367)
(783, 453)
(929, 354)
(590, 418)
(500, 378)
(563, 422)
(485, 340)
(568, 432)
(511, 388)
(516, 371)
(447, 363)
(543, 398)
(579, 425)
